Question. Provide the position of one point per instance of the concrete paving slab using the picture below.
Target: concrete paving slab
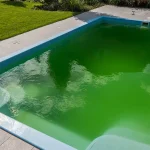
(10, 142)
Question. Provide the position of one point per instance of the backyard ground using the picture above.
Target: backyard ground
(19, 17)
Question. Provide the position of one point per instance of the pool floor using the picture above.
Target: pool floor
(83, 85)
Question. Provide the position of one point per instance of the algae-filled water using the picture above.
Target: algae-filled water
(90, 82)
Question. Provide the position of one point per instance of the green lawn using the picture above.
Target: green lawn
(19, 18)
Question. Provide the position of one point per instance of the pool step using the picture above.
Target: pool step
(113, 142)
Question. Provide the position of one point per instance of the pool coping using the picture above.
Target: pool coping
(21, 130)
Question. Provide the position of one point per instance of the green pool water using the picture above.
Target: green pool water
(84, 85)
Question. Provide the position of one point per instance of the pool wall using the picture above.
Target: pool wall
(22, 131)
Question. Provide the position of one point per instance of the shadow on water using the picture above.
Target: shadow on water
(14, 3)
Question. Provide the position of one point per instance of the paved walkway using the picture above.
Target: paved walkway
(10, 142)
(16, 43)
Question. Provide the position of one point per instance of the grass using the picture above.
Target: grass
(19, 17)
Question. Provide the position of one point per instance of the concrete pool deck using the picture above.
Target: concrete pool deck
(25, 40)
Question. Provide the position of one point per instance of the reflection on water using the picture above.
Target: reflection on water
(30, 86)
(87, 83)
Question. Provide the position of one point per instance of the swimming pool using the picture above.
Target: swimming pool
(83, 84)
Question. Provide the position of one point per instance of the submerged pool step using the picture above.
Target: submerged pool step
(113, 142)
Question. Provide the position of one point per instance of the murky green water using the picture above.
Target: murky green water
(92, 81)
